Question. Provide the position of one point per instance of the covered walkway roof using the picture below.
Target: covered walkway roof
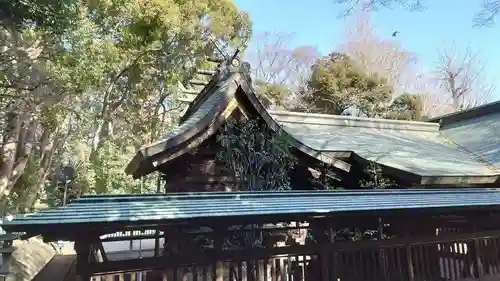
(98, 212)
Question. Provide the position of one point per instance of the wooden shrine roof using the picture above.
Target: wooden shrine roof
(461, 151)
(476, 130)
(205, 115)
(418, 148)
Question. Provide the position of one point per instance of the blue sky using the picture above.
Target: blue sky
(444, 22)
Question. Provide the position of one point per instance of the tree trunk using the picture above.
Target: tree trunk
(8, 150)
(24, 149)
(51, 141)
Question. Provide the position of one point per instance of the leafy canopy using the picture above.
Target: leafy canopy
(254, 153)
(93, 80)
(340, 85)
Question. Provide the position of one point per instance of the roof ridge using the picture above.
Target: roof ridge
(223, 69)
(253, 194)
(478, 111)
(353, 121)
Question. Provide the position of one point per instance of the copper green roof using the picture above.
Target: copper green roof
(477, 131)
(461, 148)
(200, 119)
(89, 211)
(416, 147)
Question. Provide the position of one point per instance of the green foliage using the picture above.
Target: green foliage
(99, 79)
(253, 153)
(407, 107)
(272, 94)
(338, 84)
(108, 168)
(261, 160)
(341, 86)
(374, 178)
(52, 15)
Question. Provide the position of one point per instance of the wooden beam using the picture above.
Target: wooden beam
(83, 253)
(211, 257)
(411, 272)
(100, 247)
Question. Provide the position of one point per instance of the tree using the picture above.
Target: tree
(261, 158)
(36, 84)
(339, 84)
(373, 177)
(52, 15)
(92, 94)
(379, 55)
(485, 16)
(277, 67)
(407, 107)
(254, 154)
(273, 95)
(462, 79)
(389, 59)
(368, 5)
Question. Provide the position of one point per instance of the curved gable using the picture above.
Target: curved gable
(149, 157)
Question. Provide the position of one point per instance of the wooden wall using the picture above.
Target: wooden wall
(198, 171)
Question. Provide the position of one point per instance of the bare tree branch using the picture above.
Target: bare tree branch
(386, 57)
(273, 61)
(462, 78)
(485, 17)
(279, 70)
(369, 5)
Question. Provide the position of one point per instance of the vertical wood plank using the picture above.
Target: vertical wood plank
(266, 270)
(324, 266)
(194, 272)
(409, 257)
(204, 273)
(478, 267)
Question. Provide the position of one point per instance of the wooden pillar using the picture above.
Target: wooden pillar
(168, 275)
(218, 271)
(157, 230)
(382, 253)
(477, 263)
(324, 265)
(325, 254)
(218, 267)
(6, 260)
(83, 255)
(409, 258)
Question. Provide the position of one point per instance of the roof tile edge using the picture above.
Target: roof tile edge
(352, 121)
(478, 111)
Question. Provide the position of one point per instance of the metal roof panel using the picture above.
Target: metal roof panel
(479, 135)
(417, 149)
(135, 208)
